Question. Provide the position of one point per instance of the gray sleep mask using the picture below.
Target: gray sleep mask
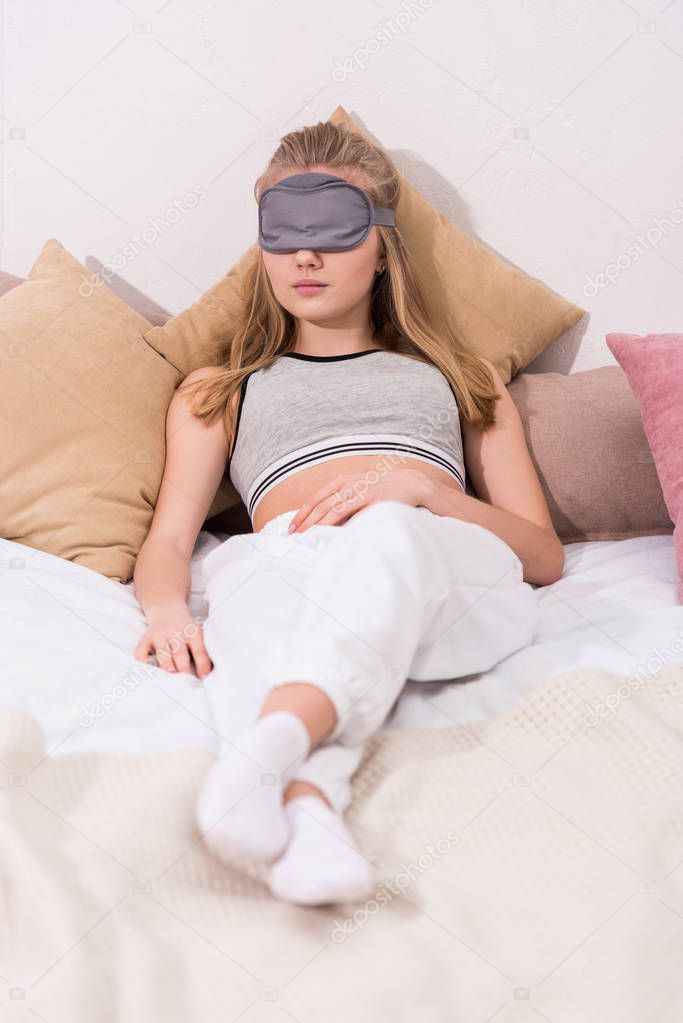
(317, 211)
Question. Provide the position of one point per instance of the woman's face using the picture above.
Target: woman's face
(347, 277)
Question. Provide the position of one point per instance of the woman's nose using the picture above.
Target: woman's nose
(307, 256)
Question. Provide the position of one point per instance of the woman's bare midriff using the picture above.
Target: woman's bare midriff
(300, 487)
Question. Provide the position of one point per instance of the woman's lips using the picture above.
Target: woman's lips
(309, 289)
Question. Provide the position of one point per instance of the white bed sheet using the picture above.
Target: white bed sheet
(67, 636)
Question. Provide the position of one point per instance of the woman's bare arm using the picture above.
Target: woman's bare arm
(195, 462)
(196, 455)
(511, 502)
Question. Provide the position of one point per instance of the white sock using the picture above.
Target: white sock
(239, 808)
(322, 862)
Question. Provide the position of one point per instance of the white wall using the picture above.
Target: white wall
(551, 129)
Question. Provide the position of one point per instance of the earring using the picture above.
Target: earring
(381, 270)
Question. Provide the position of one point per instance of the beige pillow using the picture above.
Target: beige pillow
(83, 412)
(492, 308)
(586, 438)
(8, 281)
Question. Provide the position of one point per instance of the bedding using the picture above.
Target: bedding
(614, 608)
(525, 824)
(531, 862)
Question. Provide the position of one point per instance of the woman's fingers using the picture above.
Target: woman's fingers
(201, 658)
(181, 657)
(177, 653)
(142, 650)
(164, 656)
(177, 649)
(309, 506)
(192, 642)
(146, 648)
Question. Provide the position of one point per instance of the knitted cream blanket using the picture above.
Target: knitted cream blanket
(529, 869)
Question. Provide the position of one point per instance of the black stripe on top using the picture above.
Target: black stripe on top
(286, 469)
(243, 391)
(330, 358)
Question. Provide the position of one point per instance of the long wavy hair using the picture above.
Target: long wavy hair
(263, 329)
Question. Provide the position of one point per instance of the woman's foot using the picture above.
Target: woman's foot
(239, 808)
(322, 863)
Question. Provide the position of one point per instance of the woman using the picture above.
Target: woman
(348, 425)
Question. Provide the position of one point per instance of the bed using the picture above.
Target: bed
(525, 825)
(526, 822)
(614, 607)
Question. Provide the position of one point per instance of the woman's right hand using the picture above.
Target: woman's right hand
(173, 635)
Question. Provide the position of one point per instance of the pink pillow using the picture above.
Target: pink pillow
(654, 368)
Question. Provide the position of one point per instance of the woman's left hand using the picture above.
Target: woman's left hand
(345, 495)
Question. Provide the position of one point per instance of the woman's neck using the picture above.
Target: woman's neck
(336, 349)
(312, 339)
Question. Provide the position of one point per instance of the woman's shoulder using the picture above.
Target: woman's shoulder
(498, 380)
(203, 373)
(198, 375)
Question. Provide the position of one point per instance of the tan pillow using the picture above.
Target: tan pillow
(83, 412)
(586, 439)
(8, 281)
(492, 308)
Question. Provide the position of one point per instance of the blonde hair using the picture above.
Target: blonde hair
(263, 329)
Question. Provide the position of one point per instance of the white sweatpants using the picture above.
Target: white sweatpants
(395, 593)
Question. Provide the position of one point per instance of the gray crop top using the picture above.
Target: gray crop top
(305, 409)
